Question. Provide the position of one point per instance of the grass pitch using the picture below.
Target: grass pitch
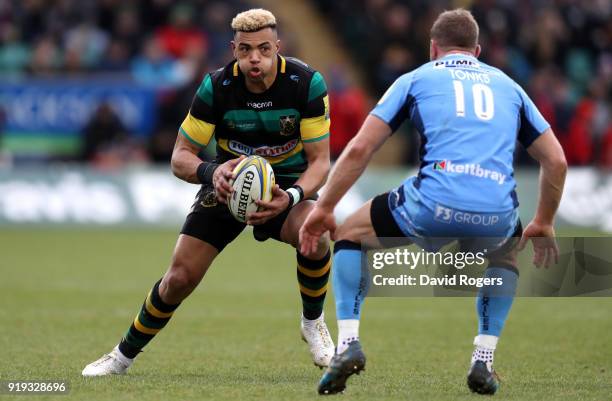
(68, 296)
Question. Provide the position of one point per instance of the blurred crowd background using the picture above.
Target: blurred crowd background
(558, 50)
(110, 57)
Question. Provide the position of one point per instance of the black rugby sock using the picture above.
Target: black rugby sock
(153, 316)
(312, 277)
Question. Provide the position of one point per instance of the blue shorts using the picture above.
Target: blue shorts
(432, 225)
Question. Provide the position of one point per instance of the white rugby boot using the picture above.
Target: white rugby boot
(113, 363)
(316, 335)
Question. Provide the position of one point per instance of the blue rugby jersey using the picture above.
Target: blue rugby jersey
(469, 116)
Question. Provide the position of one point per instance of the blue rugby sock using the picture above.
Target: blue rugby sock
(349, 285)
(493, 305)
(494, 302)
(350, 289)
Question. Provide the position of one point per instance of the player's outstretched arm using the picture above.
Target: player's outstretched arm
(553, 169)
(349, 167)
(354, 160)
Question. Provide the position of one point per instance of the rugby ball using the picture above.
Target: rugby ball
(254, 179)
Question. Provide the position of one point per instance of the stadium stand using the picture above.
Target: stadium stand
(559, 50)
(150, 54)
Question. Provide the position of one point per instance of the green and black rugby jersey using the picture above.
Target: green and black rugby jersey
(274, 124)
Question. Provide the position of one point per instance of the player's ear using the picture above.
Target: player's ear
(432, 50)
(477, 51)
(277, 45)
(234, 48)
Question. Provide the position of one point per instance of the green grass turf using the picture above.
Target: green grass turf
(66, 297)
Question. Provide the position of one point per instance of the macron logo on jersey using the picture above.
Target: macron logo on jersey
(470, 169)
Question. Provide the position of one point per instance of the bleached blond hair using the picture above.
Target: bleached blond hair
(253, 20)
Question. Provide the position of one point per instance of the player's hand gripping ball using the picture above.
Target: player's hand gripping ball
(254, 180)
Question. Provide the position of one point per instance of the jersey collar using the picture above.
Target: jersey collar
(459, 55)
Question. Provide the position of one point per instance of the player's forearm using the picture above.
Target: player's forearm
(552, 180)
(315, 176)
(185, 165)
(354, 160)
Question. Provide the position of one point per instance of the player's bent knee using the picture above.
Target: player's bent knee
(357, 227)
(505, 259)
(348, 232)
(179, 281)
(322, 247)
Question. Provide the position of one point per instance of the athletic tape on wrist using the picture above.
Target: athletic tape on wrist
(300, 191)
(205, 172)
(294, 196)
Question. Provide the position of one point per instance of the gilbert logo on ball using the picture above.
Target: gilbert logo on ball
(245, 195)
(254, 179)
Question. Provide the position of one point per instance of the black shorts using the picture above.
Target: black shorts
(385, 227)
(382, 220)
(212, 222)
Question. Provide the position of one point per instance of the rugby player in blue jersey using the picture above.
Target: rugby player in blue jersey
(469, 116)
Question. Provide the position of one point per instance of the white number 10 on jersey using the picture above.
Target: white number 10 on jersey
(484, 107)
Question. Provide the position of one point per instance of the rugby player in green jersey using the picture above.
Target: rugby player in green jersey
(259, 104)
